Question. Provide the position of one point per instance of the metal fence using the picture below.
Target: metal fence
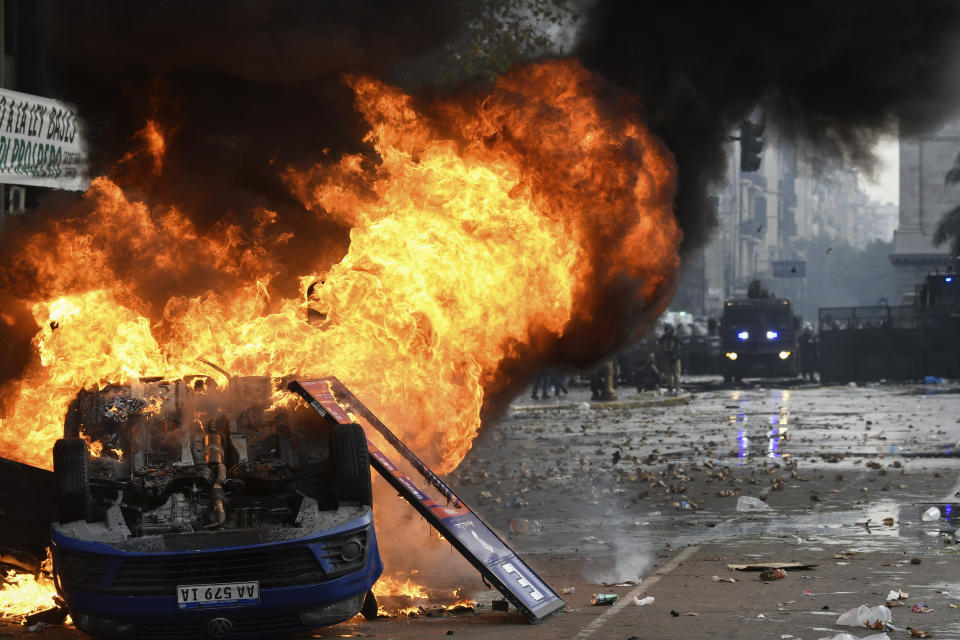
(889, 343)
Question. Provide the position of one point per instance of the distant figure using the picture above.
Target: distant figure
(544, 381)
(756, 290)
(541, 381)
(670, 349)
(808, 353)
(601, 383)
(597, 383)
(648, 376)
(558, 385)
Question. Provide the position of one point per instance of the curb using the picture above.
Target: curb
(639, 403)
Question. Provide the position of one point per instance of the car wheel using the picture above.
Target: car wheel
(71, 479)
(351, 464)
(370, 608)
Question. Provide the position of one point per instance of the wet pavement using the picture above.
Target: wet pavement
(639, 498)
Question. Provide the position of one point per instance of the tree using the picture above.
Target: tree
(948, 228)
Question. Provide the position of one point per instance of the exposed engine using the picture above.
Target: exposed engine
(187, 456)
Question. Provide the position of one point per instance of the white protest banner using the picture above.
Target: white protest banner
(40, 143)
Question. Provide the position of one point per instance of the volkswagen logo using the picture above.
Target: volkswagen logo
(219, 628)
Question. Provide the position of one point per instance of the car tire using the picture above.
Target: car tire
(370, 607)
(351, 462)
(71, 479)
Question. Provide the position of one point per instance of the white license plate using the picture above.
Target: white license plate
(225, 594)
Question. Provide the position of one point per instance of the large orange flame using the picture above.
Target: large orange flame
(477, 223)
(22, 593)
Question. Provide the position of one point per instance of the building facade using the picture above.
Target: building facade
(767, 215)
(924, 198)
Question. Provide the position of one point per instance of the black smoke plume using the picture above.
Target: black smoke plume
(837, 74)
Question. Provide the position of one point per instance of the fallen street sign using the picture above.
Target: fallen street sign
(464, 529)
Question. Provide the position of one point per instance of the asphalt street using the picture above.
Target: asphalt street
(639, 498)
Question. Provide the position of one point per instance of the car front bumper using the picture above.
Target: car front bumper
(100, 607)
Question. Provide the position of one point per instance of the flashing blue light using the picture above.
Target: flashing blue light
(743, 335)
(772, 335)
(948, 279)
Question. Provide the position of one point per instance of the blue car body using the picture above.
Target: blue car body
(200, 510)
(121, 590)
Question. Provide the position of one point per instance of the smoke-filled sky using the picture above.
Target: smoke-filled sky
(835, 73)
(883, 185)
(253, 84)
(244, 89)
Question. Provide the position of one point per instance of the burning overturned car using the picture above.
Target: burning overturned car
(185, 509)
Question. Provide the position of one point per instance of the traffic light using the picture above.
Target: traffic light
(751, 145)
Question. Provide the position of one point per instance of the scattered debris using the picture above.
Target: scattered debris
(460, 607)
(748, 504)
(520, 526)
(931, 514)
(760, 566)
(896, 598)
(773, 574)
(53, 616)
(719, 579)
(568, 590)
(917, 633)
(600, 599)
(878, 617)
(921, 608)
(642, 602)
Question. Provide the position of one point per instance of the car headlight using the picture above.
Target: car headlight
(352, 549)
(784, 355)
(732, 355)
